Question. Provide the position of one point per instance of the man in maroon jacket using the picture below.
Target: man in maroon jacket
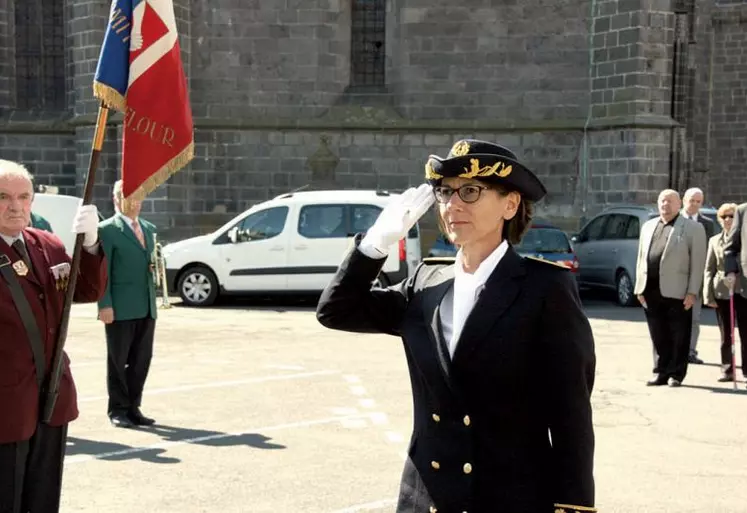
(34, 270)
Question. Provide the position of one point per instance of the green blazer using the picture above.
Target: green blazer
(130, 290)
(39, 222)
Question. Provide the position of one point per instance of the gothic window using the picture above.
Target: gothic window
(40, 54)
(367, 54)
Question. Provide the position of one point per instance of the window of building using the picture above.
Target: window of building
(368, 31)
(40, 54)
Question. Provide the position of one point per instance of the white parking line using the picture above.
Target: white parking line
(379, 418)
(81, 458)
(358, 390)
(219, 384)
(368, 403)
(395, 437)
(368, 506)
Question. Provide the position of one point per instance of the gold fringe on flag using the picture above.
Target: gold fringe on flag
(110, 96)
(163, 174)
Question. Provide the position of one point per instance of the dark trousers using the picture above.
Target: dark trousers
(31, 472)
(724, 323)
(670, 326)
(129, 347)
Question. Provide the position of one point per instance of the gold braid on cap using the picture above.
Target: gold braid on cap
(430, 174)
(460, 148)
(475, 171)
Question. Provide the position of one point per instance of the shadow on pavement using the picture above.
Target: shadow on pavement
(720, 390)
(277, 303)
(115, 451)
(169, 435)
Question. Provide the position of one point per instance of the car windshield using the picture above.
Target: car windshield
(544, 240)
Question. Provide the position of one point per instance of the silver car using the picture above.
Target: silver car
(607, 250)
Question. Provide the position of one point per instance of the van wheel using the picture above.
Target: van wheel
(624, 289)
(381, 281)
(198, 286)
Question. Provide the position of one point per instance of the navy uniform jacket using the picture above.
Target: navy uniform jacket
(506, 425)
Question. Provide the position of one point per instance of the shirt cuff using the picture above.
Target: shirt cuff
(368, 249)
(94, 250)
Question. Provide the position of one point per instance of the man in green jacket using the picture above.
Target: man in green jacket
(128, 309)
(40, 223)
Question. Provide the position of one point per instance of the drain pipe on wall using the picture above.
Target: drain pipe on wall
(584, 157)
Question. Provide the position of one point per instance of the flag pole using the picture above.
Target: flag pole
(733, 345)
(53, 385)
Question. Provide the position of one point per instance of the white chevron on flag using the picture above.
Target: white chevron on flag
(154, 52)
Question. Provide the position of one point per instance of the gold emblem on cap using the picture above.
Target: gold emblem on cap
(460, 148)
(430, 174)
(499, 168)
(20, 268)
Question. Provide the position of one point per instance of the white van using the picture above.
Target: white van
(292, 243)
(59, 210)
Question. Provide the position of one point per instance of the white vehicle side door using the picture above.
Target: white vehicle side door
(319, 240)
(256, 258)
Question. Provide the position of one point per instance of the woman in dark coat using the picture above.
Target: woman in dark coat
(500, 352)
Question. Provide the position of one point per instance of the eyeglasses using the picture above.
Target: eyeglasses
(467, 193)
(728, 216)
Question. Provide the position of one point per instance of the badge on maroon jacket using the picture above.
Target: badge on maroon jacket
(20, 268)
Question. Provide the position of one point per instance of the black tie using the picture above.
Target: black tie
(20, 248)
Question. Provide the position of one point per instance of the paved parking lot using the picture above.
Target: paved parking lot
(260, 409)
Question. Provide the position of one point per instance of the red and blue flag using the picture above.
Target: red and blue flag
(140, 74)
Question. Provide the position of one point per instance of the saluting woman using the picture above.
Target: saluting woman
(500, 352)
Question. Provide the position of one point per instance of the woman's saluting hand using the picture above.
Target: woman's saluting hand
(400, 214)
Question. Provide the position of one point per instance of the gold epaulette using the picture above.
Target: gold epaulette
(537, 259)
(438, 260)
(570, 508)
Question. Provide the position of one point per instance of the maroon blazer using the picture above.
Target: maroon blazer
(19, 394)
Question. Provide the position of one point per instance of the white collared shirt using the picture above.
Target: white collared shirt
(130, 221)
(458, 303)
(10, 240)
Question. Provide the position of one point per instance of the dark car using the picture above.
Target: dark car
(549, 243)
(542, 240)
(442, 248)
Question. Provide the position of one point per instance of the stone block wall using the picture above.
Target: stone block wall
(581, 90)
(721, 144)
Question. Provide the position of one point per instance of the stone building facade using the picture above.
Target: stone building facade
(609, 101)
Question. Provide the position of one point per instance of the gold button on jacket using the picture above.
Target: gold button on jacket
(435, 465)
(467, 468)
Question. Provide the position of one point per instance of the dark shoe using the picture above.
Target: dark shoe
(694, 359)
(674, 382)
(657, 381)
(139, 419)
(121, 420)
(725, 378)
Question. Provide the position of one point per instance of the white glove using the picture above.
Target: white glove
(400, 214)
(87, 222)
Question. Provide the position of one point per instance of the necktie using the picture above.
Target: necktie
(138, 233)
(20, 248)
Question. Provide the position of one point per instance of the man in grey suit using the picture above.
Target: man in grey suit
(669, 275)
(693, 200)
(735, 252)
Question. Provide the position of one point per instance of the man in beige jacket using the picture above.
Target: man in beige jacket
(669, 275)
